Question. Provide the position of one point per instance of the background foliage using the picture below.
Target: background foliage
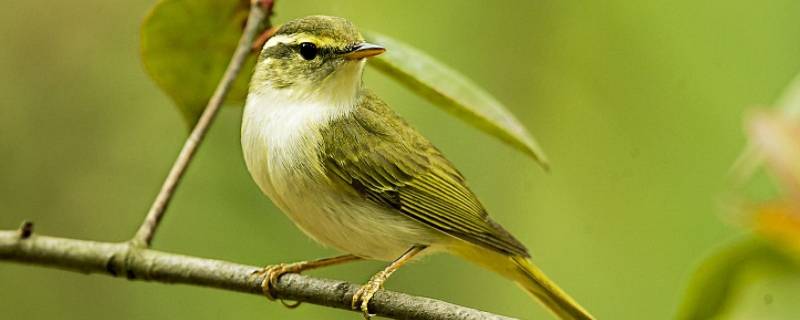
(638, 106)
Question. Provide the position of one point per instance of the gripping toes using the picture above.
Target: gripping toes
(271, 276)
(364, 294)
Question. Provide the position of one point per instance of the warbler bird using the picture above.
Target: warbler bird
(354, 176)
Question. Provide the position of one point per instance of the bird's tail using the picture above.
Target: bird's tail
(535, 282)
(522, 271)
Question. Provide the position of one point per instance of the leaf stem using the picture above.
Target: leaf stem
(260, 10)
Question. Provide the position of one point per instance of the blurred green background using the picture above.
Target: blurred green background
(639, 106)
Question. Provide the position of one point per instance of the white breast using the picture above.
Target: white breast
(280, 140)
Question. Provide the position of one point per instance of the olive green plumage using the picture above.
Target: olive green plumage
(353, 175)
(342, 30)
(380, 156)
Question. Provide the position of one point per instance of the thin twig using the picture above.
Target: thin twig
(121, 259)
(260, 11)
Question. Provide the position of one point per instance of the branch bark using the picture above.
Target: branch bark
(135, 263)
(260, 10)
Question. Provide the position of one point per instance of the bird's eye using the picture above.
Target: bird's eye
(308, 50)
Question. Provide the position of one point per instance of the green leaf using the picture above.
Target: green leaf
(721, 277)
(186, 46)
(453, 92)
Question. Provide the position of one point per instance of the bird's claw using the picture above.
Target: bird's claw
(364, 294)
(272, 274)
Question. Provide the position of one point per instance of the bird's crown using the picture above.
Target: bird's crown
(326, 30)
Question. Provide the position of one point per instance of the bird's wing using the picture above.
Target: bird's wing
(379, 156)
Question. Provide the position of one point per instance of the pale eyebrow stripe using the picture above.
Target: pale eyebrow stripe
(275, 40)
(302, 37)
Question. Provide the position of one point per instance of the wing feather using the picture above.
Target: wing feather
(378, 155)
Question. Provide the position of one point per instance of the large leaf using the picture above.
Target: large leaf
(186, 46)
(454, 92)
(720, 278)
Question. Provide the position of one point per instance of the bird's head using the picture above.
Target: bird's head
(314, 57)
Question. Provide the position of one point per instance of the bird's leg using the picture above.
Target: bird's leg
(274, 272)
(364, 294)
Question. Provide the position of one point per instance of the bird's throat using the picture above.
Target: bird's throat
(338, 90)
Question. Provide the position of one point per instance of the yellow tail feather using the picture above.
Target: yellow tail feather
(522, 271)
(536, 283)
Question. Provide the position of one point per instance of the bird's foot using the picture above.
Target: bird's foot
(364, 294)
(271, 275)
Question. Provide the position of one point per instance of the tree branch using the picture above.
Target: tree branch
(135, 263)
(260, 10)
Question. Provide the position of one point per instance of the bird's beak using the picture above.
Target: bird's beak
(364, 50)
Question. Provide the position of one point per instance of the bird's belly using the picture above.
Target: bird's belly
(352, 224)
(283, 161)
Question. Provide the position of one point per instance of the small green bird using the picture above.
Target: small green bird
(354, 176)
